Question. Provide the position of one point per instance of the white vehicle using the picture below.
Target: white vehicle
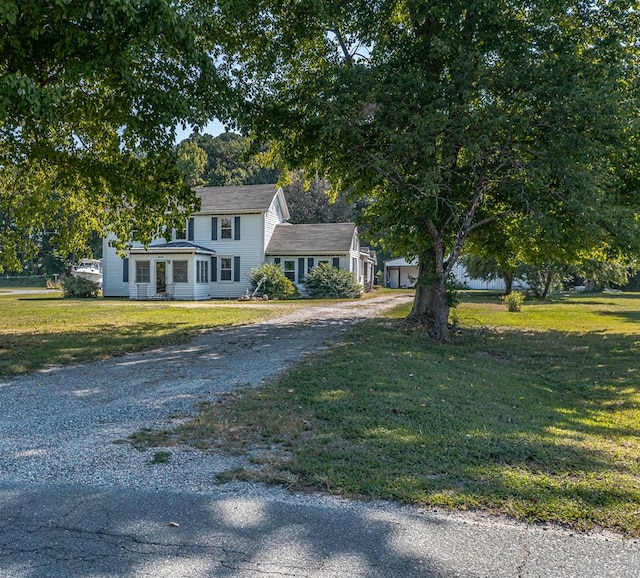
(89, 269)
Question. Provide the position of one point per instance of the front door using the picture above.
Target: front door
(161, 277)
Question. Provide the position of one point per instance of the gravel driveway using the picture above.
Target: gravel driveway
(59, 426)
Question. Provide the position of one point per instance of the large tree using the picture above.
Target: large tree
(447, 115)
(91, 94)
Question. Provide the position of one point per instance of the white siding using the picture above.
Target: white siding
(112, 269)
(272, 218)
(250, 248)
(400, 274)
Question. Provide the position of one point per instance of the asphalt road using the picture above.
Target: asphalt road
(51, 532)
(73, 504)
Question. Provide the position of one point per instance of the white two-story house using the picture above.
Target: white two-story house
(237, 229)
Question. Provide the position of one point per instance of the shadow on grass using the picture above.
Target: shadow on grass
(27, 352)
(629, 316)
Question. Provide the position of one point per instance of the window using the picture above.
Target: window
(180, 235)
(143, 272)
(202, 271)
(336, 262)
(225, 268)
(180, 271)
(290, 270)
(226, 228)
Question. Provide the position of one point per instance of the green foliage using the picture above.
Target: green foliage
(273, 282)
(23, 281)
(513, 301)
(545, 278)
(314, 202)
(231, 162)
(91, 94)
(192, 161)
(325, 281)
(79, 287)
(606, 271)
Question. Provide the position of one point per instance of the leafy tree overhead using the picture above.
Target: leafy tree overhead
(449, 115)
(91, 94)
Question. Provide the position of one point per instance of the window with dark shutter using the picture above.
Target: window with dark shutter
(236, 269)
(225, 268)
(276, 260)
(225, 228)
(336, 262)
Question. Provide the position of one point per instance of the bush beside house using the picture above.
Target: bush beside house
(325, 281)
(270, 280)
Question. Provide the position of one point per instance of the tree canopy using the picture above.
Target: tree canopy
(230, 161)
(448, 115)
(91, 94)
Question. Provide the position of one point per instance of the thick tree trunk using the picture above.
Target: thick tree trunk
(548, 278)
(508, 284)
(430, 305)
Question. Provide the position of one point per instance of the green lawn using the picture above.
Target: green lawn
(533, 414)
(41, 330)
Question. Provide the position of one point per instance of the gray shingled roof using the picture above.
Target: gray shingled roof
(236, 199)
(318, 239)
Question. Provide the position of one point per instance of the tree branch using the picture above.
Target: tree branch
(343, 46)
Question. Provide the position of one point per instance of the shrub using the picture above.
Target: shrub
(513, 301)
(275, 285)
(79, 287)
(326, 281)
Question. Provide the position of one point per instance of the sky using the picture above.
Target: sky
(214, 128)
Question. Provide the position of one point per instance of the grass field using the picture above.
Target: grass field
(533, 414)
(41, 330)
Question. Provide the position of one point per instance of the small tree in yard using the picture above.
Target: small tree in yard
(271, 281)
(325, 281)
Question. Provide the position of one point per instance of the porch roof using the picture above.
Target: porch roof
(172, 247)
